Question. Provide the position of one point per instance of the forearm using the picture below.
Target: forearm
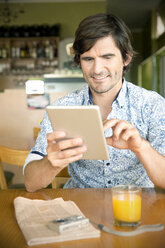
(39, 174)
(153, 162)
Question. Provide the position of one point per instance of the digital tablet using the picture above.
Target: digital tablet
(84, 122)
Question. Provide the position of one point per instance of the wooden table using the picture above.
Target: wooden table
(96, 204)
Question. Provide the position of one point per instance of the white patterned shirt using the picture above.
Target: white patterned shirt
(143, 109)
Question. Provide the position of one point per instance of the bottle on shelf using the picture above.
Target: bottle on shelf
(17, 52)
(33, 50)
(40, 50)
(51, 51)
(13, 52)
(36, 30)
(19, 55)
(22, 51)
(26, 49)
(4, 51)
(45, 30)
(55, 49)
(47, 49)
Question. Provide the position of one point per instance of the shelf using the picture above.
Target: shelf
(28, 53)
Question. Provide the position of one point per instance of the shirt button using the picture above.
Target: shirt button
(107, 164)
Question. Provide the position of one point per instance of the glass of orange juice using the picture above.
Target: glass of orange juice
(126, 201)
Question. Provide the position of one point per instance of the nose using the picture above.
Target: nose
(97, 66)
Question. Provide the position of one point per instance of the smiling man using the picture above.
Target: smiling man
(102, 66)
(134, 118)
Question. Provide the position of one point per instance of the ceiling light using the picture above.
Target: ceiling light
(7, 15)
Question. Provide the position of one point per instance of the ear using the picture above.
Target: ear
(128, 60)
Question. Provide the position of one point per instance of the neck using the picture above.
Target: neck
(105, 100)
(105, 104)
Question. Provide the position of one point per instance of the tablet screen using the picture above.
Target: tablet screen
(84, 122)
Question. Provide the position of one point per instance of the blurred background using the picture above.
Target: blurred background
(59, 18)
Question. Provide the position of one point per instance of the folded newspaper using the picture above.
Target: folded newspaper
(34, 217)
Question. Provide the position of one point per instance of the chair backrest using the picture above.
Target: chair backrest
(13, 157)
(36, 130)
(17, 157)
(60, 178)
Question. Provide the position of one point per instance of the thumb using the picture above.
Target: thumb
(109, 141)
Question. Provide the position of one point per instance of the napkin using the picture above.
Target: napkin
(33, 217)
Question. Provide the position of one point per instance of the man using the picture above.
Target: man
(134, 118)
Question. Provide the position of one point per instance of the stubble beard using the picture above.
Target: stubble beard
(101, 91)
(113, 81)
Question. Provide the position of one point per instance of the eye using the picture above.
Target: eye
(108, 57)
(87, 59)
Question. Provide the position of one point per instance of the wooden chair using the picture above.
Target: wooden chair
(9, 175)
(36, 130)
(60, 179)
(17, 158)
(12, 157)
(63, 175)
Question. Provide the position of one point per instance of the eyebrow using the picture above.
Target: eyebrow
(108, 54)
(85, 57)
(103, 55)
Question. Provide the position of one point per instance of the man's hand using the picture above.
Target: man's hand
(61, 151)
(125, 136)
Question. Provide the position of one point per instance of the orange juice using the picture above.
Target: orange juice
(126, 207)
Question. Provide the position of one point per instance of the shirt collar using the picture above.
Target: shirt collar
(90, 96)
(120, 98)
(87, 99)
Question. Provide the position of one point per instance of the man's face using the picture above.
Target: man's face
(102, 65)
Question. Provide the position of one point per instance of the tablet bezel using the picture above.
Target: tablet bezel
(84, 122)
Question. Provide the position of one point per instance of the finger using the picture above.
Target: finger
(109, 141)
(128, 133)
(55, 135)
(71, 152)
(73, 159)
(61, 163)
(64, 162)
(64, 144)
(68, 143)
(120, 128)
(110, 123)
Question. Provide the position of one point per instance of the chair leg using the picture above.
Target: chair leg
(53, 184)
(3, 183)
(9, 177)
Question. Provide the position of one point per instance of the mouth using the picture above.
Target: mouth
(100, 78)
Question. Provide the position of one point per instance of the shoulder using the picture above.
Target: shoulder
(145, 105)
(77, 97)
(143, 95)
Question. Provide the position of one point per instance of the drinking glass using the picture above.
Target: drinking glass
(126, 201)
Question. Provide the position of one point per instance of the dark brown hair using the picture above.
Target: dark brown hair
(97, 26)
